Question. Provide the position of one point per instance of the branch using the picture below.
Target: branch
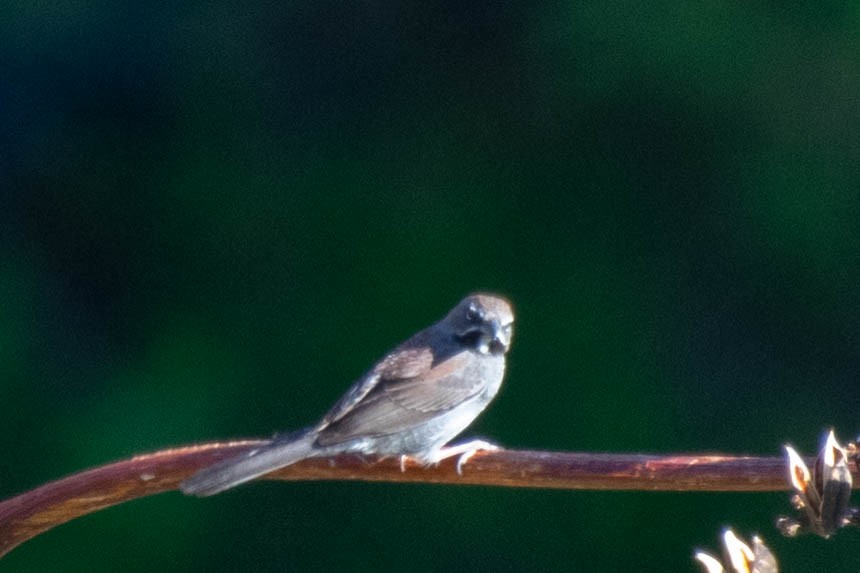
(31, 513)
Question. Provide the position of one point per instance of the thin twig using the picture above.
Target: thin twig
(31, 513)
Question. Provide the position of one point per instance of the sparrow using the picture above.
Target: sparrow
(415, 400)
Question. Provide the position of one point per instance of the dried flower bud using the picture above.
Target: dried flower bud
(742, 557)
(821, 497)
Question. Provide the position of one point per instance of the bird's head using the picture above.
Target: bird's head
(483, 322)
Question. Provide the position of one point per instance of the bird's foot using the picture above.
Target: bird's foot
(465, 452)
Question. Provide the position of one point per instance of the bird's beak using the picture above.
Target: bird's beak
(501, 337)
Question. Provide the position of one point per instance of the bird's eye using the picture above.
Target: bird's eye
(473, 313)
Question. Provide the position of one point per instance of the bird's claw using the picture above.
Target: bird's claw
(474, 447)
(465, 452)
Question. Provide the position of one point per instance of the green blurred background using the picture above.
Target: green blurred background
(215, 216)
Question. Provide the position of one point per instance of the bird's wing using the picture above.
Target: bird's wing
(393, 405)
(401, 364)
(443, 387)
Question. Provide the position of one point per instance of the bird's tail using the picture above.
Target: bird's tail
(234, 471)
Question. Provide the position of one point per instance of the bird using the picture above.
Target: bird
(410, 404)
